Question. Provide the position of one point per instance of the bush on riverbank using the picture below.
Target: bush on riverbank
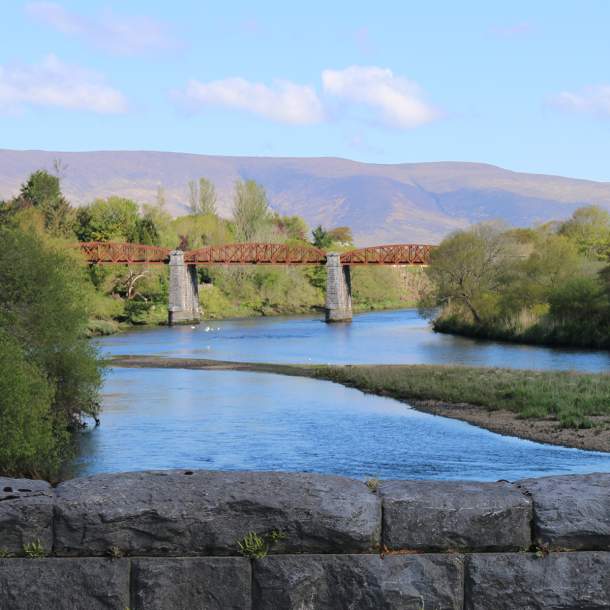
(549, 285)
(50, 372)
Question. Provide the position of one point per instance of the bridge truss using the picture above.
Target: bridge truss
(252, 254)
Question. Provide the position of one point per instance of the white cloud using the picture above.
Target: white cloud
(399, 100)
(54, 83)
(120, 34)
(284, 101)
(591, 100)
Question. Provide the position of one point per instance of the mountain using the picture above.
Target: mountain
(394, 203)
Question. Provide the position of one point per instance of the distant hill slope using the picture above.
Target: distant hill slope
(419, 202)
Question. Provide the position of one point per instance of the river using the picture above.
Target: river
(237, 420)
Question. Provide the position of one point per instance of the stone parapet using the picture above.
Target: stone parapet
(170, 539)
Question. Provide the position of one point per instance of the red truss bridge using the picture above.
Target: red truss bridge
(184, 306)
(253, 254)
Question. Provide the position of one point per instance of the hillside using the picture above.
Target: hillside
(417, 202)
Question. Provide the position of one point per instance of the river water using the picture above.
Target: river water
(236, 420)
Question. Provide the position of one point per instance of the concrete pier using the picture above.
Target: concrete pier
(338, 290)
(183, 291)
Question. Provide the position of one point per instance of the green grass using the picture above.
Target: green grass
(568, 397)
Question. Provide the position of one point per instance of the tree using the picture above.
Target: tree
(468, 268)
(160, 200)
(341, 235)
(321, 238)
(44, 311)
(193, 196)
(292, 227)
(111, 219)
(207, 197)
(251, 212)
(589, 228)
(42, 191)
(28, 441)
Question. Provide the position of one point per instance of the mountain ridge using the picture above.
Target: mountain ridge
(383, 203)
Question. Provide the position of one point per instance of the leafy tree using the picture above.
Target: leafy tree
(207, 197)
(321, 238)
(251, 212)
(468, 269)
(160, 199)
(341, 235)
(29, 443)
(202, 196)
(291, 227)
(43, 310)
(193, 196)
(111, 219)
(589, 228)
(42, 191)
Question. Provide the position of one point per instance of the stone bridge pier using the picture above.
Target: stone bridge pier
(183, 291)
(338, 290)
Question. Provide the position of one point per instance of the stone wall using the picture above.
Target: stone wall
(169, 540)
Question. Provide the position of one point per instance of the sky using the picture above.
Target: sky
(523, 85)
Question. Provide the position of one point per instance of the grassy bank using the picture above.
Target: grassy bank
(564, 408)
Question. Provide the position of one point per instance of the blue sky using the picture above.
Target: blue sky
(524, 85)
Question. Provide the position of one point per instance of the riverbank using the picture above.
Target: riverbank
(106, 328)
(561, 408)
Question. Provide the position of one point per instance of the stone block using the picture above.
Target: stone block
(560, 581)
(442, 515)
(26, 514)
(571, 511)
(64, 584)
(213, 583)
(207, 513)
(408, 582)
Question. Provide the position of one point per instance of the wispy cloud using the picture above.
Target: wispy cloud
(283, 101)
(590, 100)
(122, 34)
(53, 83)
(398, 101)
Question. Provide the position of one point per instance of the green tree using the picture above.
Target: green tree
(160, 199)
(468, 269)
(341, 235)
(207, 197)
(30, 441)
(251, 212)
(193, 196)
(42, 191)
(589, 228)
(291, 227)
(320, 238)
(111, 219)
(43, 309)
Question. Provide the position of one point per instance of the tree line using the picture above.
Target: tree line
(549, 284)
